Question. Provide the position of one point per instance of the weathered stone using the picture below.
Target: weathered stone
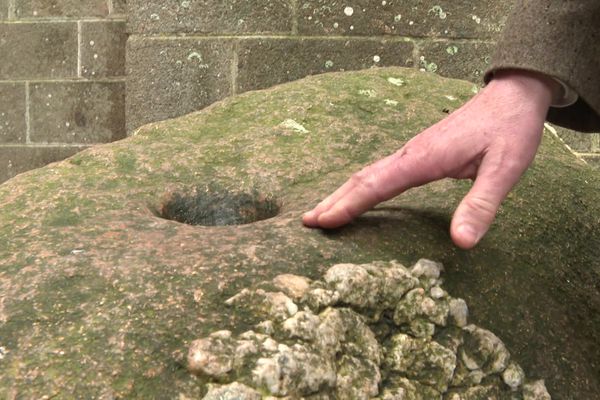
(377, 288)
(100, 293)
(535, 391)
(60, 8)
(421, 328)
(276, 305)
(428, 272)
(404, 389)
(513, 376)
(357, 378)
(169, 77)
(210, 16)
(294, 371)
(336, 354)
(427, 269)
(13, 127)
(38, 50)
(3, 9)
(477, 393)
(293, 285)
(103, 49)
(77, 112)
(119, 7)
(261, 65)
(456, 19)
(425, 361)
(416, 303)
(458, 312)
(484, 350)
(16, 159)
(233, 391)
(437, 293)
(212, 356)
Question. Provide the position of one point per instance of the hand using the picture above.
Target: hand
(492, 139)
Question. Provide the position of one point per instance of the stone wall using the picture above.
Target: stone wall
(185, 54)
(63, 63)
(62, 84)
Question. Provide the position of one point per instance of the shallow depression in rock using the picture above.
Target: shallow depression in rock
(214, 206)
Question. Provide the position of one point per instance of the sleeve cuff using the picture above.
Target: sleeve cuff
(568, 96)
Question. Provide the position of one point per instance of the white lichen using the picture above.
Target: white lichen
(396, 81)
(293, 125)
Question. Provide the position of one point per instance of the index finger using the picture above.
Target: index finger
(383, 180)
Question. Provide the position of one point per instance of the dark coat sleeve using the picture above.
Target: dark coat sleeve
(560, 38)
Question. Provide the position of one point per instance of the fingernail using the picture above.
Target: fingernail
(309, 214)
(468, 233)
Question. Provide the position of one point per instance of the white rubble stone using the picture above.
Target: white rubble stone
(427, 268)
(294, 371)
(318, 341)
(212, 356)
(233, 391)
(294, 286)
(437, 292)
(513, 376)
(485, 349)
(357, 378)
(408, 356)
(459, 312)
(318, 298)
(535, 391)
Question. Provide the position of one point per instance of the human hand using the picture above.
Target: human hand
(492, 139)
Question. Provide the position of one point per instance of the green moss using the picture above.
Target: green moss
(125, 162)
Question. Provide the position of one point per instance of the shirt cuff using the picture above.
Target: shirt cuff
(568, 96)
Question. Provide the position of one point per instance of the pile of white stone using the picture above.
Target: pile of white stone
(371, 331)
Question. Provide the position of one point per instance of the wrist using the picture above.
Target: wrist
(541, 90)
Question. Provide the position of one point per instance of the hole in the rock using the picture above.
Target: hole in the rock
(213, 206)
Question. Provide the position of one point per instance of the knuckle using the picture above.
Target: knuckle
(513, 166)
(481, 206)
(366, 179)
(413, 151)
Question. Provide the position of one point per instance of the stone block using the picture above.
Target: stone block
(267, 62)
(169, 77)
(103, 49)
(17, 159)
(12, 113)
(456, 59)
(77, 112)
(210, 16)
(60, 8)
(421, 18)
(119, 7)
(38, 50)
(3, 9)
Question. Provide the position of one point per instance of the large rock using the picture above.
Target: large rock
(101, 297)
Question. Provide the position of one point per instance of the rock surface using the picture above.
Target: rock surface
(101, 296)
(335, 354)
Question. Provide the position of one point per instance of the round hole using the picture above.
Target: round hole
(212, 206)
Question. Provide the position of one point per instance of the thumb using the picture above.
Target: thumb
(477, 210)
